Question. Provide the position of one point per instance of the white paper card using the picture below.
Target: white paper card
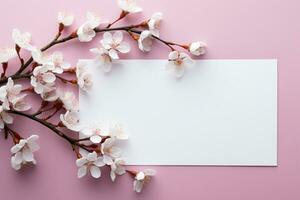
(222, 112)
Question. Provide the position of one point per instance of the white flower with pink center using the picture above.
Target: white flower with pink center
(178, 63)
(114, 44)
(89, 162)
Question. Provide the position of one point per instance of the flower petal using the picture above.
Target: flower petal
(149, 172)
(115, 152)
(92, 156)
(80, 162)
(117, 37)
(82, 171)
(49, 77)
(96, 139)
(107, 37)
(123, 47)
(95, 172)
(18, 158)
(113, 54)
(138, 186)
(112, 176)
(140, 176)
(27, 154)
(173, 55)
(7, 118)
(107, 160)
(99, 162)
(33, 146)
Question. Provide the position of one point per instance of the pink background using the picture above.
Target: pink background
(232, 29)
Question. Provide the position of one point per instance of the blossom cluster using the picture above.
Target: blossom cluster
(97, 146)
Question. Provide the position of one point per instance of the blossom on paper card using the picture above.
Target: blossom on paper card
(178, 62)
(98, 131)
(116, 131)
(84, 78)
(94, 132)
(102, 58)
(117, 168)
(110, 151)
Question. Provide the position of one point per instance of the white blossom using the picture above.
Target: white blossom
(50, 94)
(84, 81)
(145, 41)
(117, 168)
(55, 61)
(86, 31)
(113, 43)
(23, 152)
(97, 131)
(102, 58)
(38, 56)
(65, 18)
(90, 162)
(84, 78)
(116, 131)
(5, 118)
(42, 78)
(19, 103)
(129, 6)
(71, 120)
(94, 132)
(110, 151)
(178, 62)
(22, 39)
(9, 92)
(142, 178)
(6, 54)
(197, 48)
(58, 62)
(154, 23)
(69, 101)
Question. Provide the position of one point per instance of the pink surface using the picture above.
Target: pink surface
(232, 29)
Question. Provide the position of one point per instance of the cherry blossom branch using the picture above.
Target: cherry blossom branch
(15, 77)
(72, 36)
(53, 128)
(99, 143)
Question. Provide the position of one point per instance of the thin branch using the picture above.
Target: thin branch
(74, 35)
(4, 68)
(15, 77)
(52, 127)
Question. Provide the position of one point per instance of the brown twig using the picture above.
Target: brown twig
(52, 127)
(74, 35)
